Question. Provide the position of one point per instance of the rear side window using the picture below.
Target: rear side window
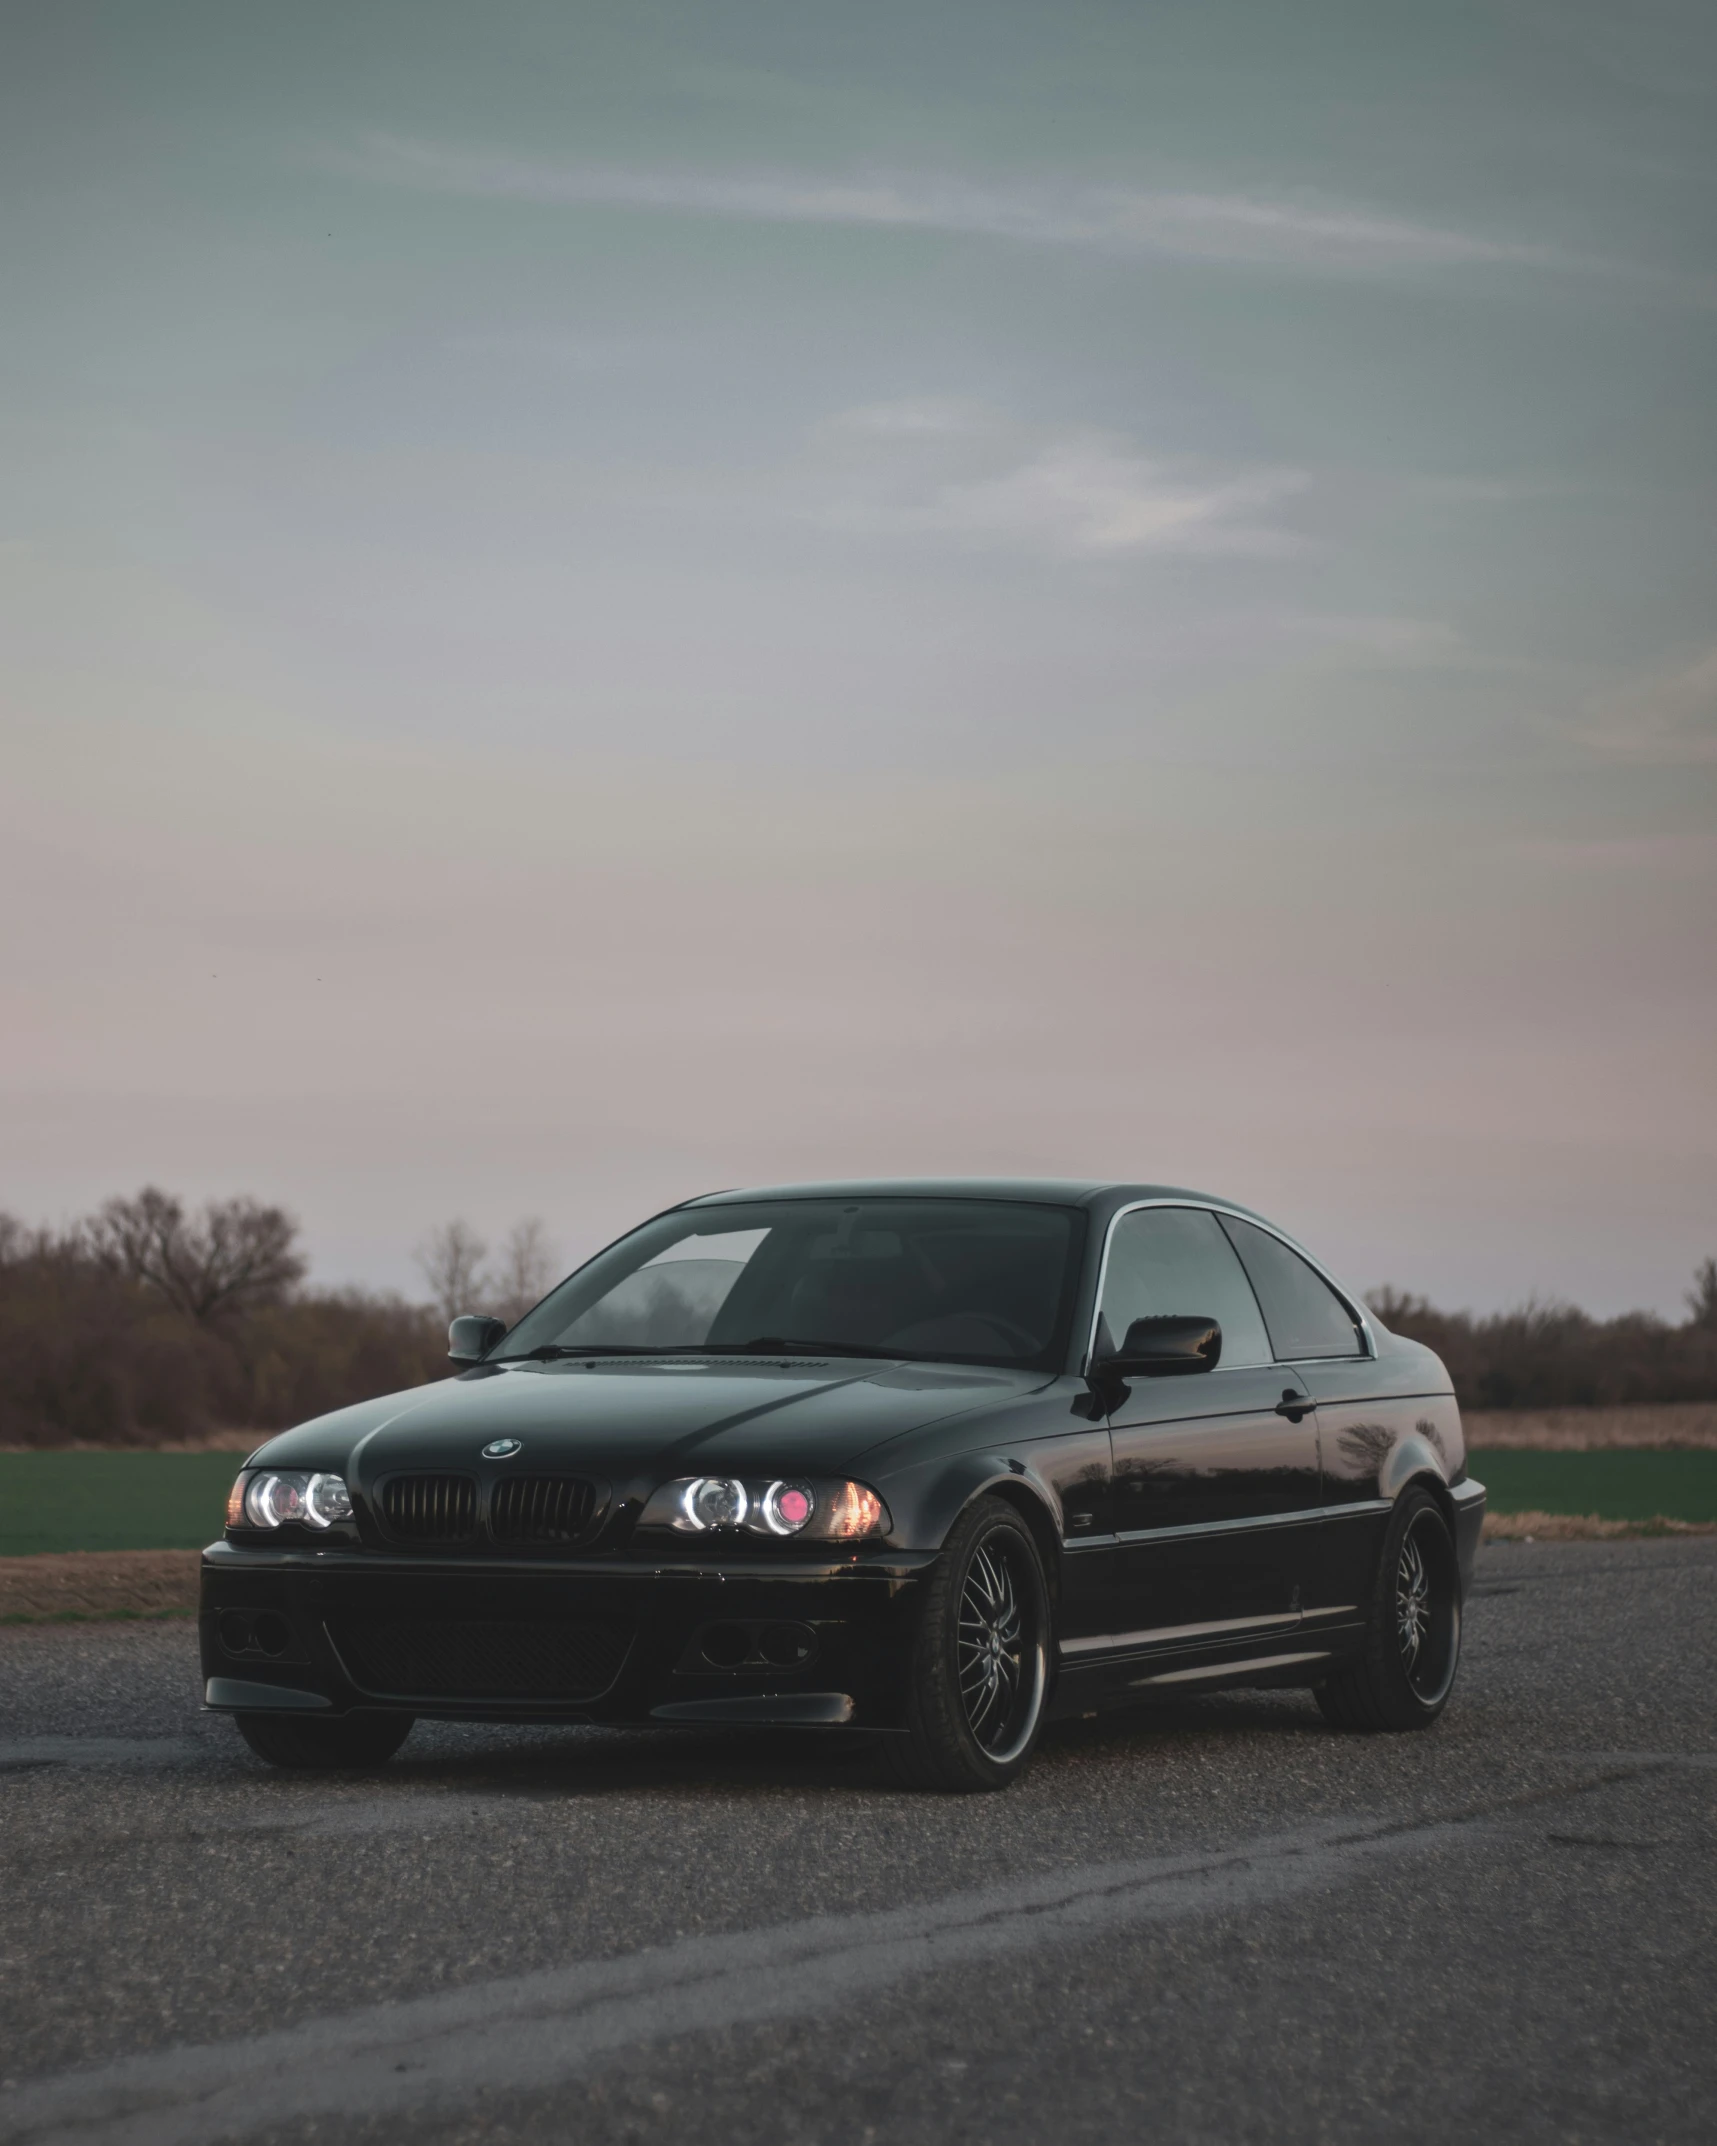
(1302, 1311)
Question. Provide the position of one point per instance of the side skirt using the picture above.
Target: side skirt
(1297, 1652)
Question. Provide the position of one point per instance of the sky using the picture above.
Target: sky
(603, 601)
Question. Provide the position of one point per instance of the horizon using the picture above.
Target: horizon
(489, 1253)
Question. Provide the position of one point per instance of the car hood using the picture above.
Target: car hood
(620, 1420)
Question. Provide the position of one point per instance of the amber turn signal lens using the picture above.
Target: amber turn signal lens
(235, 1504)
(854, 1510)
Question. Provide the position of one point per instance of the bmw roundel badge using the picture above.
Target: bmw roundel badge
(501, 1449)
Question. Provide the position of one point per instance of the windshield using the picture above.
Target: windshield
(971, 1281)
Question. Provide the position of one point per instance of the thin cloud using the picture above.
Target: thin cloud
(1245, 229)
(1090, 498)
(955, 470)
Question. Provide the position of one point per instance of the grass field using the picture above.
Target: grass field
(1637, 1484)
(174, 1501)
(112, 1501)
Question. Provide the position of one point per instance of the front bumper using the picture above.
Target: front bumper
(618, 1640)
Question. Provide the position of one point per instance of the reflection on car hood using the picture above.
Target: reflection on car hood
(616, 1417)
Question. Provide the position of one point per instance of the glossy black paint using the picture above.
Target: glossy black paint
(1195, 1530)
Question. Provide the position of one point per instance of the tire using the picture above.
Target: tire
(979, 1675)
(1403, 1678)
(354, 1744)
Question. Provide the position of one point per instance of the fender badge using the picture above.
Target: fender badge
(501, 1449)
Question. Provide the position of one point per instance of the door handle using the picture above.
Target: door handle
(1295, 1405)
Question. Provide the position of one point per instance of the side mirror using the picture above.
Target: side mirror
(1166, 1348)
(471, 1336)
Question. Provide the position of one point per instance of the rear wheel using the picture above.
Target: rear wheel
(980, 1666)
(360, 1741)
(1413, 1638)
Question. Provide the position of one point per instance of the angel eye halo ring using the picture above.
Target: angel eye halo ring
(787, 1507)
(271, 1499)
(715, 1501)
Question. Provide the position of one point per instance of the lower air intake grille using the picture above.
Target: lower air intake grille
(413, 1660)
(540, 1508)
(430, 1508)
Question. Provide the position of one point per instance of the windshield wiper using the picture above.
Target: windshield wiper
(547, 1351)
(773, 1345)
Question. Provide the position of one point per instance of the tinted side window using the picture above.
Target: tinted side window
(1175, 1259)
(1303, 1313)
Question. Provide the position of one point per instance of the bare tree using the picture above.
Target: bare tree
(525, 1269)
(1367, 1446)
(1702, 1297)
(234, 1256)
(451, 1261)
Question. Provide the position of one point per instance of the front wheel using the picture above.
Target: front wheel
(1413, 1637)
(358, 1742)
(980, 1664)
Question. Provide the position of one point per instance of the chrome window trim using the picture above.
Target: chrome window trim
(1360, 1317)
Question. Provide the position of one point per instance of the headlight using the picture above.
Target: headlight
(326, 1500)
(819, 1511)
(714, 1501)
(275, 1495)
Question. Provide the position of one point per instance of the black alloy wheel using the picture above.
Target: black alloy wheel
(1413, 1638)
(352, 1745)
(980, 1666)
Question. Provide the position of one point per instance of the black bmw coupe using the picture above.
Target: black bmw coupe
(937, 1461)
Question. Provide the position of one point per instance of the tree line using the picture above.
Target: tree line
(1548, 1355)
(147, 1324)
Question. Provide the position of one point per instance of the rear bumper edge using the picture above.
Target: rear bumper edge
(1469, 1504)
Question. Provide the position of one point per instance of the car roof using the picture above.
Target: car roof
(1035, 1191)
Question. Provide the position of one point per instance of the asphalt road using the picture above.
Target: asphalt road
(1221, 1923)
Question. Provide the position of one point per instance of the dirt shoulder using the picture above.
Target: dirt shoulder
(1583, 1527)
(98, 1583)
(1591, 1430)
